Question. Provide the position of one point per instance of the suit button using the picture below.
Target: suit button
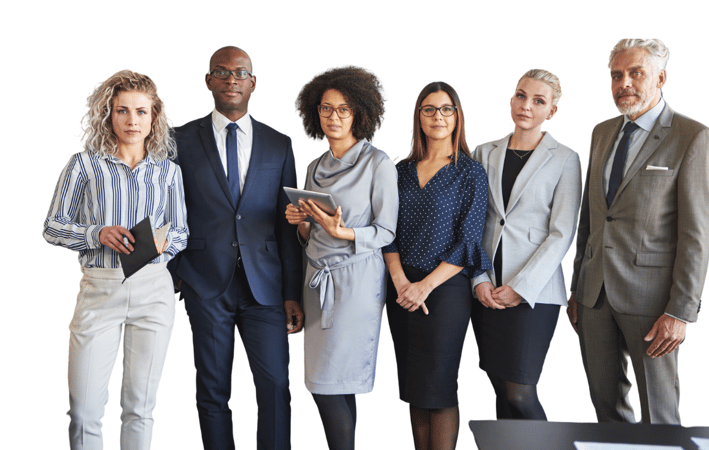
(609, 219)
(238, 217)
(502, 221)
(234, 244)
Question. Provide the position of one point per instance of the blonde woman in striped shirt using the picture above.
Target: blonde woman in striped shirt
(123, 175)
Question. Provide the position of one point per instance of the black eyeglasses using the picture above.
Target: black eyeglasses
(430, 111)
(223, 74)
(343, 112)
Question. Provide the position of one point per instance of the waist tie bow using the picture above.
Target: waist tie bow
(322, 280)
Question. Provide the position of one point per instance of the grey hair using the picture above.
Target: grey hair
(549, 78)
(655, 48)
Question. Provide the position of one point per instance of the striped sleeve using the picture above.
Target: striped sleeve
(176, 213)
(62, 226)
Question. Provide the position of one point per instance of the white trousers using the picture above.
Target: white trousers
(145, 306)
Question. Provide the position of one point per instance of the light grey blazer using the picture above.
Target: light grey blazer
(540, 221)
(651, 247)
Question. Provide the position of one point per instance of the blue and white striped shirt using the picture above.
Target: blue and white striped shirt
(95, 191)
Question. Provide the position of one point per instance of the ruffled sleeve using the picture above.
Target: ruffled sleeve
(391, 248)
(467, 250)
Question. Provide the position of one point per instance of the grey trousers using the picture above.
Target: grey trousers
(607, 339)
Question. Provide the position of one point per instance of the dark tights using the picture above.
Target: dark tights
(517, 401)
(435, 429)
(339, 417)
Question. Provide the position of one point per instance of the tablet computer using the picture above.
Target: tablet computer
(324, 201)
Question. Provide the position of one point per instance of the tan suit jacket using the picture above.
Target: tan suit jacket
(651, 247)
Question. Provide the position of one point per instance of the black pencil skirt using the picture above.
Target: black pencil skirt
(428, 347)
(513, 342)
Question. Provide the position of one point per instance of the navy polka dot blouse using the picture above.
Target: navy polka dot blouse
(443, 221)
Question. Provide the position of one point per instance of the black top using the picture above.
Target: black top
(514, 162)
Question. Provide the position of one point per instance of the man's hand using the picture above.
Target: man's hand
(294, 316)
(666, 335)
(572, 312)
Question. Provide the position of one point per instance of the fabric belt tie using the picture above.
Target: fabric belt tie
(322, 280)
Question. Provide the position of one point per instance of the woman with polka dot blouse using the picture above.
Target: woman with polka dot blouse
(442, 203)
(535, 193)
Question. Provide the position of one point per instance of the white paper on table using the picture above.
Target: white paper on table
(614, 446)
(702, 443)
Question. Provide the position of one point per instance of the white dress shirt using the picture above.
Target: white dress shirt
(244, 141)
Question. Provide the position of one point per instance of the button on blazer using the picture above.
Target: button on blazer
(651, 247)
(539, 223)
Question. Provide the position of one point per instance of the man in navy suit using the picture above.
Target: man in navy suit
(242, 265)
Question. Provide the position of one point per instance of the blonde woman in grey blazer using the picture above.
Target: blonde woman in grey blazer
(534, 199)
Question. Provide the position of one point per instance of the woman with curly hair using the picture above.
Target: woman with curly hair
(437, 250)
(344, 280)
(122, 176)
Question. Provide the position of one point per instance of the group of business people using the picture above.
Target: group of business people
(454, 234)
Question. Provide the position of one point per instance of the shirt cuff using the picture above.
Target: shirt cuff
(681, 320)
(92, 236)
(301, 239)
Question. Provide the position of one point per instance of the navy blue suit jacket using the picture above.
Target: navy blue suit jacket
(257, 228)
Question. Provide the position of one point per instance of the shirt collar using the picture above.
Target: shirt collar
(220, 121)
(647, 120)
(114, 159)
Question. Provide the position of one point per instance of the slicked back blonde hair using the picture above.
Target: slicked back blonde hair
(98, 129)
(546, 77)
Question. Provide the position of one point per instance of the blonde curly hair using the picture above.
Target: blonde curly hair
(98, 130)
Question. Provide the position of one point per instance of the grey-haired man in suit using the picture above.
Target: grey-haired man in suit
(643, 240)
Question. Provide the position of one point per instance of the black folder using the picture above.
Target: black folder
(144, 248)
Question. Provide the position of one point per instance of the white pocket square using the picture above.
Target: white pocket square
(649, 167)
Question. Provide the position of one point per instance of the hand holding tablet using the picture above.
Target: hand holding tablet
(323, 201)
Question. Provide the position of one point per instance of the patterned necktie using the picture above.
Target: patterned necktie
(232, 157)
(619, 162)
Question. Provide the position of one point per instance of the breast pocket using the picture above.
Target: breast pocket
(657, 173)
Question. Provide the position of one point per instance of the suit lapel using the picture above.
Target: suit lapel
(255, 160)
(537, 159)
(604, 146)
(495, 163)
(657, 135)
(206, 134)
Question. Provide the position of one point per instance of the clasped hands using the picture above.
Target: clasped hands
(497, 298)
(411, 296)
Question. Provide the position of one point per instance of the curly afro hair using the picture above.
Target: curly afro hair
(360, 88)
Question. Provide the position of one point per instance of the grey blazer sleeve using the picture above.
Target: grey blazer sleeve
(692, 256)
(546, 260)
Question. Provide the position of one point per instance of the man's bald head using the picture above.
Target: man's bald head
(229, 53)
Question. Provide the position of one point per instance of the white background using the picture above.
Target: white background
(54, 54)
